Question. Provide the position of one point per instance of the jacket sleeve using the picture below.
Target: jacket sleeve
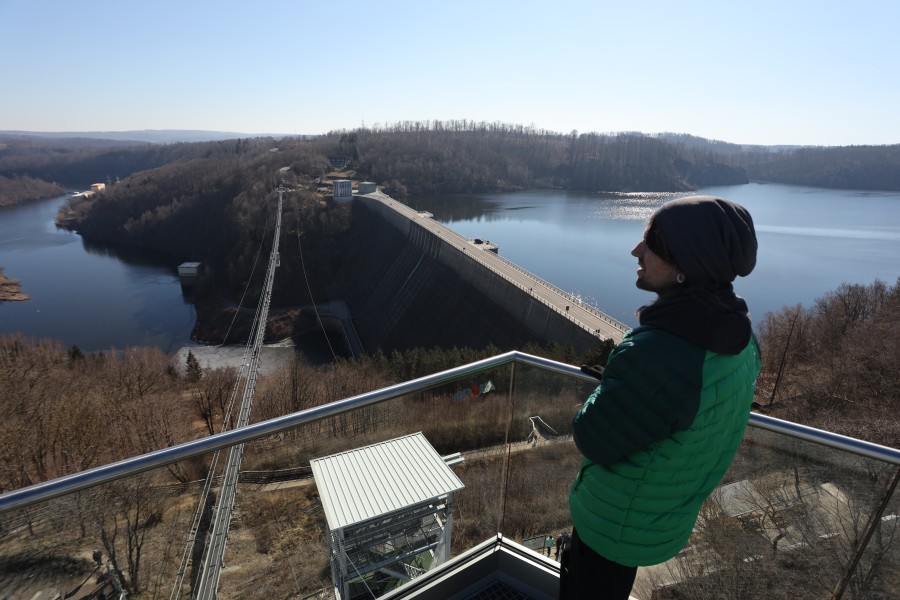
(650, 389)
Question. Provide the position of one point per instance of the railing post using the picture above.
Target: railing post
(504, 474)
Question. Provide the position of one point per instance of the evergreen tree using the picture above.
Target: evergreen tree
(193, 370)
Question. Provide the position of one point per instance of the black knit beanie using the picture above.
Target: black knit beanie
(712, 240)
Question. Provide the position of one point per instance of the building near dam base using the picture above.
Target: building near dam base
(189, 272)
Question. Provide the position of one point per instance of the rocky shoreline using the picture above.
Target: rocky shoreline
(10, 290)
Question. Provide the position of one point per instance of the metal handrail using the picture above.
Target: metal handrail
(68, 484)
(826, 438)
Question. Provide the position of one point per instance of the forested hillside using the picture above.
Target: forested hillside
(833, 365)
(217, 209)
(850, 167)
(463, 157)
(84, 161)
(21, 189)
(433, 156)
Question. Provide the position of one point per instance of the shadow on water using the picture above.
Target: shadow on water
(130, 255)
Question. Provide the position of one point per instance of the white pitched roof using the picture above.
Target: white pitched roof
(360, 484)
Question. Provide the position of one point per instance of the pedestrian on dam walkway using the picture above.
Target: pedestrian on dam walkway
(665, 422)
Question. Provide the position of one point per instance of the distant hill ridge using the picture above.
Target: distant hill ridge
(152, 136)
(462, 157)
(170, 136)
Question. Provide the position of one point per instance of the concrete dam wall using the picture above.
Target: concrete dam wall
(413, 288)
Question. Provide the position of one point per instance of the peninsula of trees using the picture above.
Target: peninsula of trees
(10, 288)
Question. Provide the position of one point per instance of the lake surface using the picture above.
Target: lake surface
(811, 240)
(87, 295)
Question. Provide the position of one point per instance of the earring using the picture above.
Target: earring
(679, 278)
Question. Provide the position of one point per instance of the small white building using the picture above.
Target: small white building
(343, 189)
(189, 272)
(98, 187)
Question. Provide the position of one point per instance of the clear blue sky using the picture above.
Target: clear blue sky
(768, 72)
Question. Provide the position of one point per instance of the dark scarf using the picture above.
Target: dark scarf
(716, 319)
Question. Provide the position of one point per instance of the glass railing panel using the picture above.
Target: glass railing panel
(784, 523)
(542, 460)
(277, 541)
(119, 537)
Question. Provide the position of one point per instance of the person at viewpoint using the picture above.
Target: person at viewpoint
(664, 424)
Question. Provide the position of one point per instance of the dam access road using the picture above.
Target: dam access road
(583, 315)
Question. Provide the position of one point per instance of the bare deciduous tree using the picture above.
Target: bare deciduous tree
(123, 513)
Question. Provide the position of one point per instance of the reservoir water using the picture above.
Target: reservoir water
(88, 295)
(811, 241)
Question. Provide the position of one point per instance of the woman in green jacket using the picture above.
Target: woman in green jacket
(664, 424)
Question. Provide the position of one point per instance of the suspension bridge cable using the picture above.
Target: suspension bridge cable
(249, 279)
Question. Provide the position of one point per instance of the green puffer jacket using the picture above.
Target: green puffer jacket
(655, 448)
